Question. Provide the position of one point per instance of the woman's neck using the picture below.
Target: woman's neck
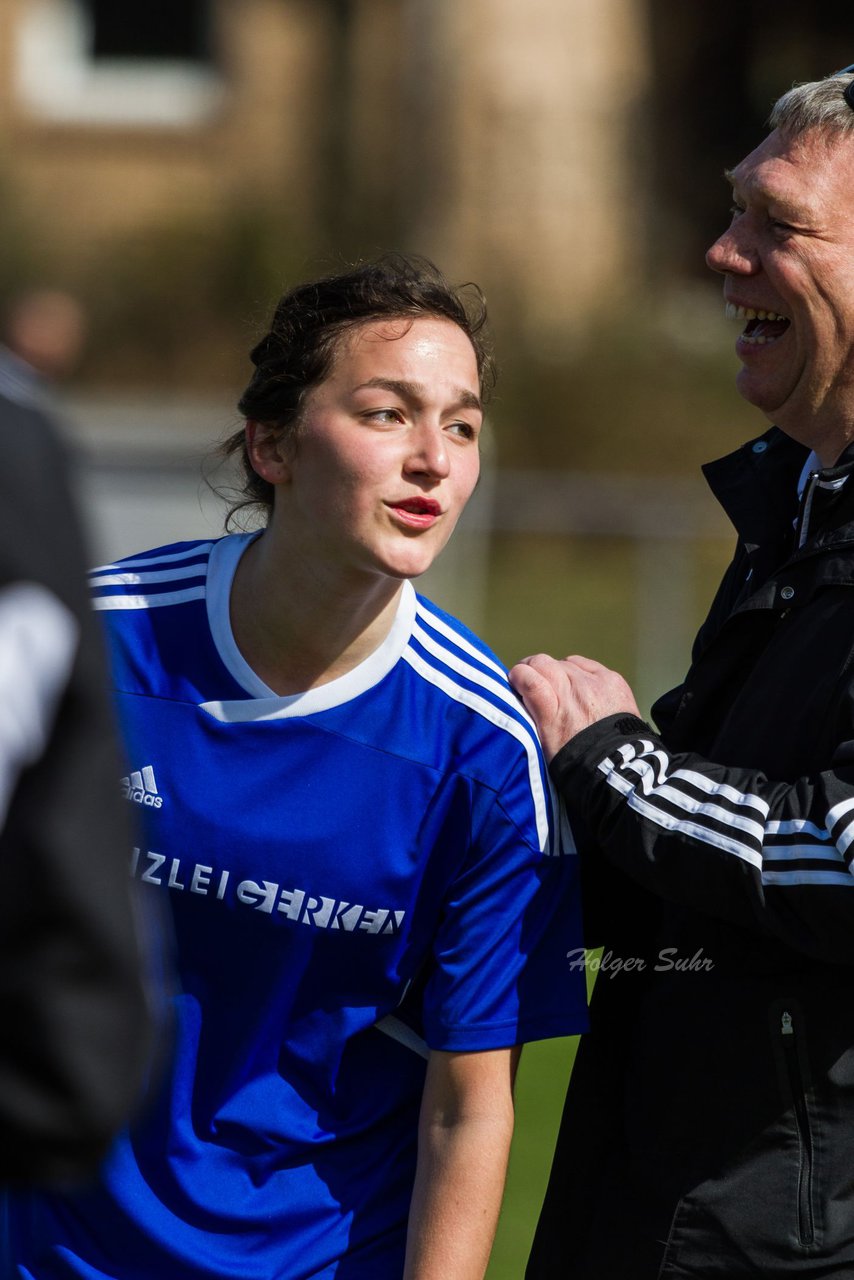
(297, 629)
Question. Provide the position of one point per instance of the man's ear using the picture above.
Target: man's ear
(266, 451)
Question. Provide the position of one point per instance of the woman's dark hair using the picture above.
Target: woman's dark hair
(307, 327)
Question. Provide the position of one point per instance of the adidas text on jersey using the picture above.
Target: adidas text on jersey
(140, 787)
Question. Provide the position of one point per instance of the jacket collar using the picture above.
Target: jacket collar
(757, 486)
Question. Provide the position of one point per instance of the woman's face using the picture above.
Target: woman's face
(387, 451)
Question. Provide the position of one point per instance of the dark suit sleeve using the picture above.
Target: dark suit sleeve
(75, 1027)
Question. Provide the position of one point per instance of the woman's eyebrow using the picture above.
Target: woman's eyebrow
(416, 391)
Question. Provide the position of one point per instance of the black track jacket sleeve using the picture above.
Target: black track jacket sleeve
(775, 858)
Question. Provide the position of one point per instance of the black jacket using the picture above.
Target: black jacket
(709, 1126)
(75, 1024)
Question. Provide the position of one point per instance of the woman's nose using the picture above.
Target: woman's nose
(429, 452)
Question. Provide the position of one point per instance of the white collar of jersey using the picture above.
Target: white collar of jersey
(263, 703)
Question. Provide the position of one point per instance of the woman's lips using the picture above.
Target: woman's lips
(418, 513)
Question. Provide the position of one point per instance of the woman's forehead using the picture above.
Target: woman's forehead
(390, 341)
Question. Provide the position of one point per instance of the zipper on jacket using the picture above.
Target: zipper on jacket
(803, 524)
(806, 1220)
(814, 482)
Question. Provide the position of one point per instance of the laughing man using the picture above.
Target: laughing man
(709, 1127)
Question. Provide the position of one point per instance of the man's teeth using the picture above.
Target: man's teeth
(756, 337)
(748, 313)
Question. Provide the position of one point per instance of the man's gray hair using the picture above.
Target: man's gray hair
(818, 104)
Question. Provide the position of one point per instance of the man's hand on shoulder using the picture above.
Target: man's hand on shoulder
(565, 696)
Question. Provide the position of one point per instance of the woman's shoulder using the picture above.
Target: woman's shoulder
(486, 733)
(456, 636)
(144, 579)
(154, 608)
(458, 668)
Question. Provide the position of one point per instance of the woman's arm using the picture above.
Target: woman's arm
(463, 1145)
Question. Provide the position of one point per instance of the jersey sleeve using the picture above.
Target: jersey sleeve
(776, 858)
(502, 971)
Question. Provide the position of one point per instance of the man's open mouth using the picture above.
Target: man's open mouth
(762, 326)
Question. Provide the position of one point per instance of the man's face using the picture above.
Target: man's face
(788, 262)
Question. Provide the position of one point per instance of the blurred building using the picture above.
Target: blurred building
(562, 152)
(120, 113)
(496, 136)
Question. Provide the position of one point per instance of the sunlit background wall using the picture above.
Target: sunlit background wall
(175, 164)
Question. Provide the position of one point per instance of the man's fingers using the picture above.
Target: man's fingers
(589, 665)
(540, 662)
(564, 697)
(538, 682)
(530, 679)
(565, 666)
(535, 681)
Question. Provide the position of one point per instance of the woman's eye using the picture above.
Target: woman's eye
(467, 430)
(384, 415)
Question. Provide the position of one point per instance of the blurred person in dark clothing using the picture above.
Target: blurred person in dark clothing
(709, 1124)
(75, 1028)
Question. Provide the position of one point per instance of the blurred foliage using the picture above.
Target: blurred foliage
(25, 259)
(180, 306)
(650, 390)
(559, 595)
(177, 307)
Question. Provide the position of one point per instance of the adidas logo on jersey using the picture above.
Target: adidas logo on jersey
(141, 788)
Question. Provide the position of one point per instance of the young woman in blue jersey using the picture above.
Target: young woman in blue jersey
(348, 813)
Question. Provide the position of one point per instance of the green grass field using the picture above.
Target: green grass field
(540, 1090)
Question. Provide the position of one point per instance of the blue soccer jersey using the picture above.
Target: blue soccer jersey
(357, 874)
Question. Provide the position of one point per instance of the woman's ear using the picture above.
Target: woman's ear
(266, 451)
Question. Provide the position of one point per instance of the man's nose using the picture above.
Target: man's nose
(731, 254)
